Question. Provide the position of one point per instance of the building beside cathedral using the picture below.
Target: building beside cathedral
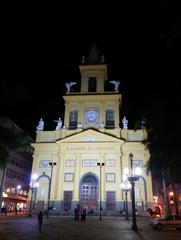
(15, 176)
(87, 159)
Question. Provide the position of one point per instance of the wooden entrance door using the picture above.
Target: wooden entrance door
(89, 192)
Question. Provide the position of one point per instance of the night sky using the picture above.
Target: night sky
(37, 60)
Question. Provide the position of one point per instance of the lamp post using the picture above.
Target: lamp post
(172, 204)
(132, 179)
(100, 207)
(18, 188)
(52, 164)
(126, 187)
(33, 185)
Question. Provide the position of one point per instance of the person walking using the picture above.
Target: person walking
(16, 211)
(75, 214)
(5, 210)
(40, 219)
(84, 214)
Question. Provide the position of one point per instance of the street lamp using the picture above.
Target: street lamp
(100, 209)
(132, 179)
(52, 164)
(126, 187)
(33, 185)
(172, 204)
(18, 188)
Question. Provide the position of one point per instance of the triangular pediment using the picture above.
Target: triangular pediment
(90, 135)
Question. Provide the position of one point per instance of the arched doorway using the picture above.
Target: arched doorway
(41, 192)
(89, 191)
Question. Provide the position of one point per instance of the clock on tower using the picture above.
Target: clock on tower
(91, 116)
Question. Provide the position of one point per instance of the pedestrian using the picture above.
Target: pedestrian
(81, 213)
(40, 219)
(16, 211)
(5, 210)
(76, 211)
(75, 214)
(84, 214)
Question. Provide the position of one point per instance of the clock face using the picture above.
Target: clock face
(91, 116)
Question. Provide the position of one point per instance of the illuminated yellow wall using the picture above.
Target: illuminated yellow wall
(70, 149)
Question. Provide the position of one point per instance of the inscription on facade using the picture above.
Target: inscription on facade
(90, 148)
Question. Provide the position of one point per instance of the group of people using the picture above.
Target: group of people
(80, 212)
(154, 213)
(4, 210)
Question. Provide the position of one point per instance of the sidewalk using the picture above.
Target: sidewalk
(65, 228)
(13, 214)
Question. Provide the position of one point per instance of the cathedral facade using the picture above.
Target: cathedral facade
(86, 160)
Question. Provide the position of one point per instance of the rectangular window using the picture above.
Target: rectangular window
(110, 200)
(89, 163)
(109, 115)
(110, 162)
(110, 122)
(69, 163)
(73, 119)
(73, 116)
(67, 200)
(69, 177)
(92, 84)
(110, 177)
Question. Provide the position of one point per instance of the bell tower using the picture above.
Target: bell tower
(93, 107)
(93, 72)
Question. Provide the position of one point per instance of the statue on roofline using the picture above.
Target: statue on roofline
(125, 123)
(69, 85)
(116, 85)
(40, 126)
(59, 124)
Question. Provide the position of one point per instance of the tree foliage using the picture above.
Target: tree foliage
(12, 140)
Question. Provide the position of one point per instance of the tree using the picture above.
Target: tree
(158, 165)
(164, 162)
(11, 140)
(160, 106)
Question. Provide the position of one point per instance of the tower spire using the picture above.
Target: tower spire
(94, 56)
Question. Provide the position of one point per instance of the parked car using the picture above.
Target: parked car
(166, 222)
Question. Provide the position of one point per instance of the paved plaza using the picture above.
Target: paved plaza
(65, 228)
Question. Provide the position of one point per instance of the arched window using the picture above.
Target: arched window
(92, 84)
(110, 121)
(73, 119)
